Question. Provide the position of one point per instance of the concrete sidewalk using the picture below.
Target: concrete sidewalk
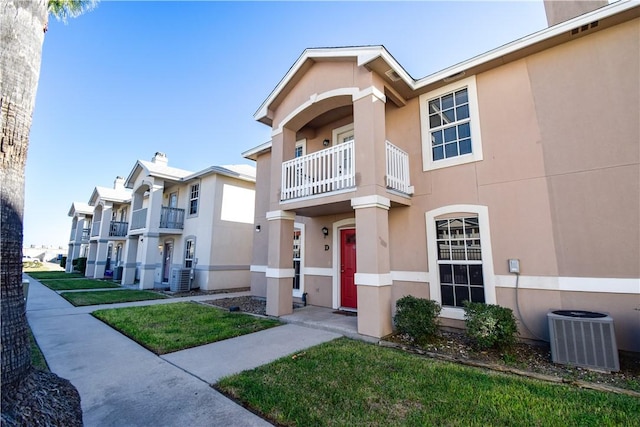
(123, 384)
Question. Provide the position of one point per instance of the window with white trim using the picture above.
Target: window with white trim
(460, 257)
(459, 261)
(189, 253)
(296, 259)
(194, 196)
(450, 125)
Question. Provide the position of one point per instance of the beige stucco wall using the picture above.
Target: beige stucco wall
(590, 141)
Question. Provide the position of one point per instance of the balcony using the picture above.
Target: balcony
(139, 219)
(118, 229)
(95, 228)
(398, 169)
(85, 235)
(324, 171)
(171, 218)
(333, 169)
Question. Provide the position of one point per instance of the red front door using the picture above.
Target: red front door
(348, 290)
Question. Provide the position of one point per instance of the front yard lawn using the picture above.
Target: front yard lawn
(171, 327)
(109, 297)
(72, 284)
(54, 275)
(348, 382)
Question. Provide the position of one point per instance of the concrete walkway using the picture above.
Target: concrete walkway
(123, 384)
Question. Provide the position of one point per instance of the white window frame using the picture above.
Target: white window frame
(298, 292)
(482, 212)
(197, 198)
(186, 252)
(476, 141)
(338, 131)
(303, 144)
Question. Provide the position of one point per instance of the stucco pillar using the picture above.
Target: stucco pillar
(280, 270)
(154, 207)
(130, 257)
(103, 243)
(91, 259)
(373, 276)
(150, 254)
(369, 126)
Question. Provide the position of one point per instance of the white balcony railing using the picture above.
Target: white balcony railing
(85, 235)
(398, 169)
(95, 228)
(321, 172)
(139, 219)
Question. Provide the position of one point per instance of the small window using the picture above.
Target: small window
(296, 259)
(189, 253)
(193, 199)
(450, 125)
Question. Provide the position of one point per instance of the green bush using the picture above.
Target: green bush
(417, 317)
(490, 326)
(63, 262)
(80, 264)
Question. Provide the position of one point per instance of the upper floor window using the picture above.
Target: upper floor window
(450, 125)
(193, 199)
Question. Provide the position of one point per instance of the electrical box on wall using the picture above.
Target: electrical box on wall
(514, 266)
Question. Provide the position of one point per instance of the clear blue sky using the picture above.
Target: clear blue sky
(131, 78)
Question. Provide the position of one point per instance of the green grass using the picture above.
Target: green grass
(170, 327)
(37, 358)
(72, 284)
(109, 297)
(346, 382)
(54, 275)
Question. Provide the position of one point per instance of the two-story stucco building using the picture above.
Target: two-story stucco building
(376, 185)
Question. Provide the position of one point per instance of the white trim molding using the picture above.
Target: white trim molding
(318, 271)
(258, 268)
(280, 273)
(372, 91)
(284, 215)
(373, 279)
(316, 97)
(571, 284)
(374, 201)
(410, 276)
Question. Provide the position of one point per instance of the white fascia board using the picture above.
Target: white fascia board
(255, 150)
(220, 171)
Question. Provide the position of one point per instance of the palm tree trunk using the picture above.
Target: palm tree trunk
(21, 34)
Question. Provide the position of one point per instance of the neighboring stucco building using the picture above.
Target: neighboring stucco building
(530, 151)
(82, 215)
(202, 221)
(109, 229)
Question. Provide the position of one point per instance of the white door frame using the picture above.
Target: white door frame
(337, 226)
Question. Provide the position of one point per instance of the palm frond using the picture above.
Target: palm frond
(64, 9)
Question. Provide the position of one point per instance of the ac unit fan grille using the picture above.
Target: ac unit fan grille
(584, 342)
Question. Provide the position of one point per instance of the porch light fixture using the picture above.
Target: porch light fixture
(258, 228)
(325, 231)
(326, 142)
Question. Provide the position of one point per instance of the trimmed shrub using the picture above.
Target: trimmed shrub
(63, 262)
(417, 317)
(490, 326)
(80, 264)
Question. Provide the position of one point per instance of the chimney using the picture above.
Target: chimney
(118, 184)
(160, 159)
(562, 10)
